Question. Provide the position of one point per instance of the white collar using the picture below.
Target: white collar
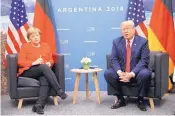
(131, 41)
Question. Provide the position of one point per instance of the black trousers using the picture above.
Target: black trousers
(47, 79)
(114, 85)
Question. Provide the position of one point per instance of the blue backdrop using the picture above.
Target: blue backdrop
(83, 28)
(86, 28)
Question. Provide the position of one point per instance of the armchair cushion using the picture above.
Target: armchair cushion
(27, 82)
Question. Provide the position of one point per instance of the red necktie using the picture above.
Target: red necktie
(128, 56)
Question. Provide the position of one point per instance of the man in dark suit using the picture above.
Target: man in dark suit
(129, 61)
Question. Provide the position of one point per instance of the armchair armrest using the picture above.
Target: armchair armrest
(58, 69)
(12, 74)
(161, 74)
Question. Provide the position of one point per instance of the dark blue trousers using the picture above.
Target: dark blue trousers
(114, 85)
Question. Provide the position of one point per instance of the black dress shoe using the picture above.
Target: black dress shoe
(141, 106)
(62, 94)
(38, 108)
(118, 105)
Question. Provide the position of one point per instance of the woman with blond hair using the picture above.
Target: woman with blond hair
(35, 61)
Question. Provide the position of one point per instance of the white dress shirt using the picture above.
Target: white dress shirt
(131, 41)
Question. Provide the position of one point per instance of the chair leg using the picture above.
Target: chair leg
(20, 103)
(151, 102)
(55, 99)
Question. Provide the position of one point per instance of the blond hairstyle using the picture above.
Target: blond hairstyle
(128, 22)
(32, 30)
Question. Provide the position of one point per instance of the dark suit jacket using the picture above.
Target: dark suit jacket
(139, 54)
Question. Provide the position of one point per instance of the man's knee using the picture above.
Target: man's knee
(107, 75)
(144, 74)
(110, 76)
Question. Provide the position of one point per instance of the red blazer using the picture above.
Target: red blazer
(29, 54)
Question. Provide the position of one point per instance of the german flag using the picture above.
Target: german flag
(44, 21)
(161, 34)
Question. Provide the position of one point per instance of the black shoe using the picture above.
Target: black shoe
(38, 108)
(141, 106)
(62, 94)
(118, 104)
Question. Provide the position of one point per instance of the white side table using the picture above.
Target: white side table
(94, 72)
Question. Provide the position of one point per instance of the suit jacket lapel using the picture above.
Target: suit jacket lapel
(133, 47)
(123, 48)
